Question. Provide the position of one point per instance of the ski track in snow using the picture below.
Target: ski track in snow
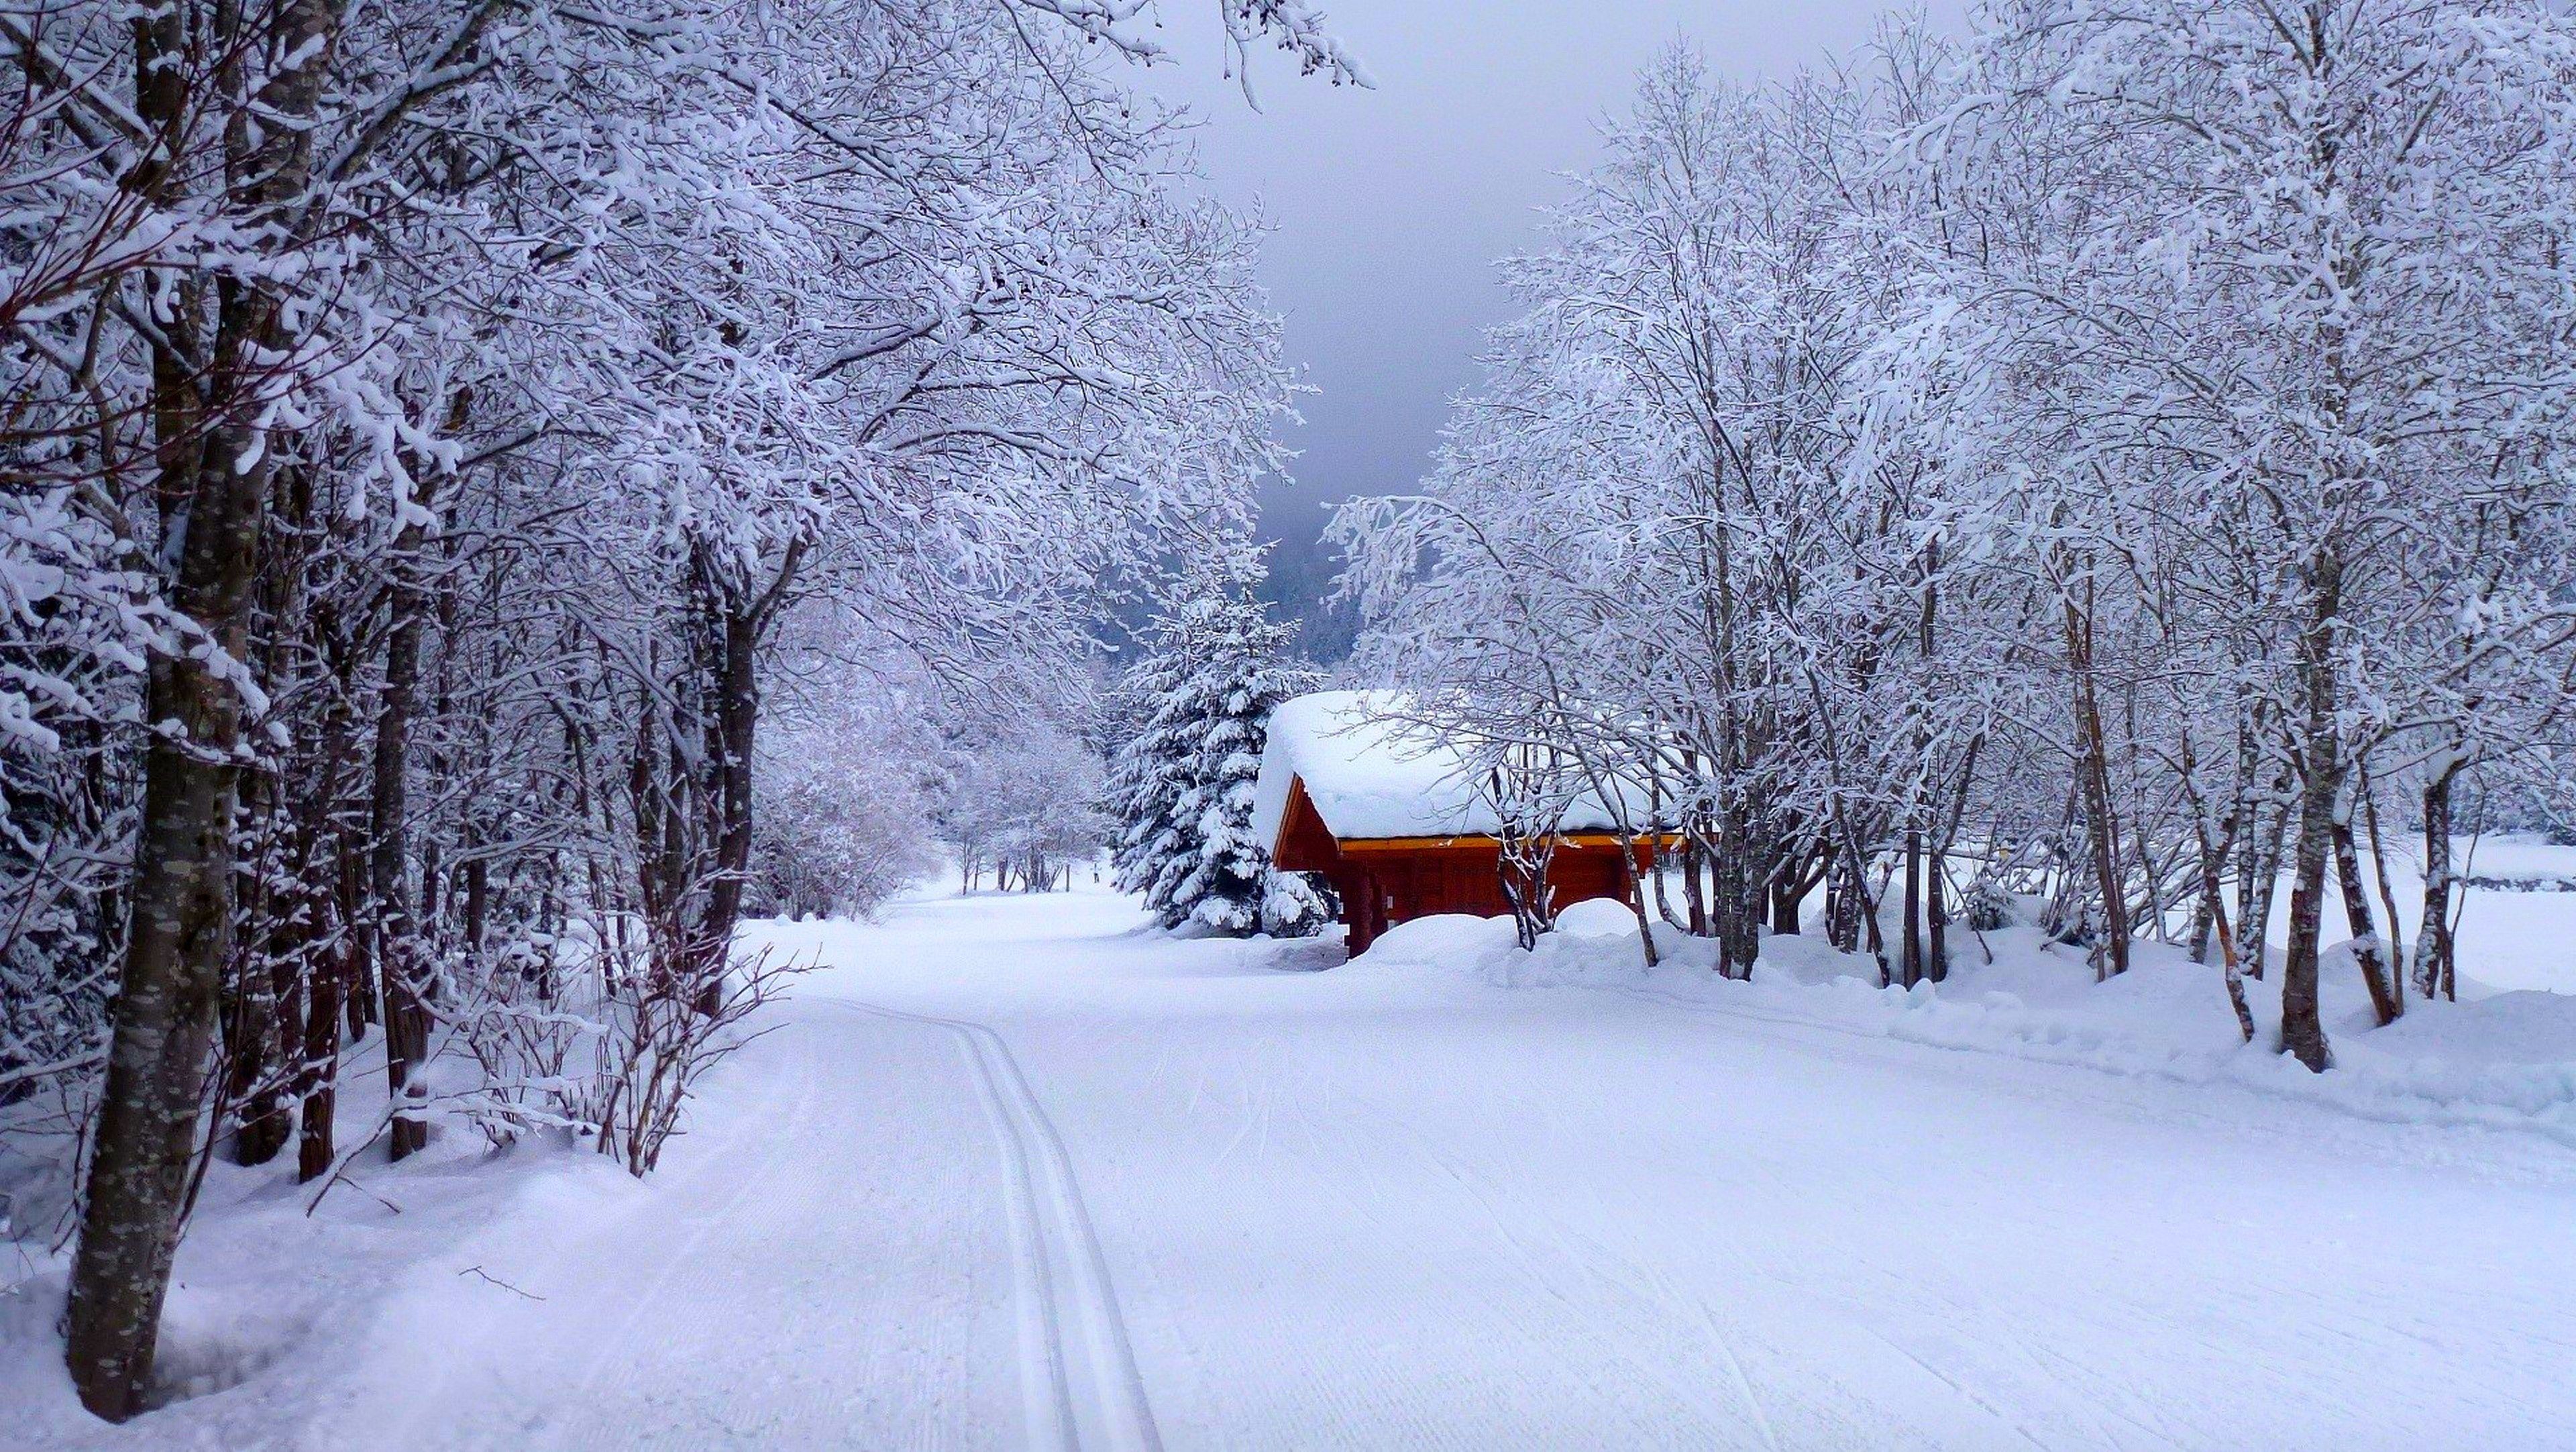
(1501, 1293)
(1007, 1172)
(1089, 1394)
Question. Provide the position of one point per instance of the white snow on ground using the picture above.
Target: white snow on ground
(2499, 1059)
(1014, 1171)
(2509, 939)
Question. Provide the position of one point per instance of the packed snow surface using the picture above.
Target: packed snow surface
(1017, 1172)
(1372, 774)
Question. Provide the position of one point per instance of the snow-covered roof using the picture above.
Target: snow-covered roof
(1372, 775)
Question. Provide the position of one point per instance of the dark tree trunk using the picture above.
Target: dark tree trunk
(318, 1074)
(2217, 919)
(428, 926)
(478, 903)
(1742, 890)
(2321, 772)
(1910, 955)
(732, 656)
(1843, 906)
(1630, 856)
(270, 1123)
(2367, 953)
(181, 892)
(2433, 949)
(249, 1014)
(2262, 884)
(397, 948)
(1916, 968)
(2251, 846)
(1791, 880)
(1693, 850)
(328, 936)
(2093, 780)
(165, 1009)
(359, 1000)
(1865, 908)
(2210, 909)
(1937, 889)
(2395, 939)
(1521, 866)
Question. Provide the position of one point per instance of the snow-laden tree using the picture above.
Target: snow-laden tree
(1213, 670)
(1653, 536)
(424, 419)
(1024, 806)
(2305, 322)
(847, 811)
(2117, 460)
(1154, 768)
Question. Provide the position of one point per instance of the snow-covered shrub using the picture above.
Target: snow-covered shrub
(531, 1040)
(598, 1037)
(1296, 904)
(1986, 906)
(70, 645)
(657, 1039)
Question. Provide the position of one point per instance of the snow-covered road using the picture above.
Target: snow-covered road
(1011, 1173)
(1365, 1208)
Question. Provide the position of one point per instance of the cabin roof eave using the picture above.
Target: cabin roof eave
(1306, 842)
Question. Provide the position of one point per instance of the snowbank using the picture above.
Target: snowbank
(2516, 922)
(2502, 1061)
(283, 1307)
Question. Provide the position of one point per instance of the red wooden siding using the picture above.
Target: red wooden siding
(1385, 882)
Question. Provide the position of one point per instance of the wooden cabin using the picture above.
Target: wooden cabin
(1389, 818)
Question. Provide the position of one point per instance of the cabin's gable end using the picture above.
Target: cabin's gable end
(1304, 843)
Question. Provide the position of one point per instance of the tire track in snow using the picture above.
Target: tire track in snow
(1080, 1381)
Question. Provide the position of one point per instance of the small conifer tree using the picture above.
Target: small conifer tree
(1213, 670)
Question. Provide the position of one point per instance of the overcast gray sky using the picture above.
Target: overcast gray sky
(1388, 206)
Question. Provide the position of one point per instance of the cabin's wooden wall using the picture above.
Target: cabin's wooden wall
(1381, 888)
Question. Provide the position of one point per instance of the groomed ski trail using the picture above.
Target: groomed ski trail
(1016, 1173)
(1080, 1384)
(815, 1265)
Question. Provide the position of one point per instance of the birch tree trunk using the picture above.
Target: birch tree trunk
(2321, 782)
(727, 799)
(2367, 953)
(2093, 778)
(2432, 973)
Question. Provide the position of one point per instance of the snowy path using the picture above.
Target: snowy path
(781, 1288)
(1353, 1208)
(1009, 1174)
(1359, 1209)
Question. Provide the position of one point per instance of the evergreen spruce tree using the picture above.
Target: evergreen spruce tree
(1213, 671)
(1156, 766)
